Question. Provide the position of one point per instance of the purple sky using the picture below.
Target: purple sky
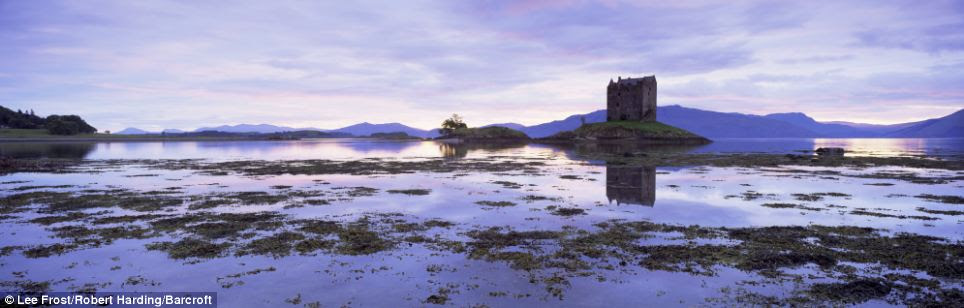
(185, 64)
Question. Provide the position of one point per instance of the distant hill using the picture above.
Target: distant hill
(706, 123)
(949, 126)
(515, 126)
(714, 124)
(360, 129)
(701, 122)
(875, 128)
(728, 125)
(138, 131)
(569, 123)
(133, 131)
(366, 129)
(251, 128)
(823, 129)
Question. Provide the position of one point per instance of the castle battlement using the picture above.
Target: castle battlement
(631, 99)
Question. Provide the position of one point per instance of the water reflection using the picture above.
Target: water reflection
(356, 148)
(758, 145)
(631, 184)
(461, 150)
(47, 150)
(943, 147)
(449, 150)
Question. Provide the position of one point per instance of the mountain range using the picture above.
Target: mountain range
(707, 123)
(360, 129)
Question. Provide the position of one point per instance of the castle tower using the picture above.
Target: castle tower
(631, 99)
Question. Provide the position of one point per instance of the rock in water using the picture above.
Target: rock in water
(830, 151)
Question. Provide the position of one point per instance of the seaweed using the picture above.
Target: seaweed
(190, 248)
(495, 203)
(942, 198)
(410, 192)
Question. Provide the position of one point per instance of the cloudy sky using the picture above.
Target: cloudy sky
(327, 64)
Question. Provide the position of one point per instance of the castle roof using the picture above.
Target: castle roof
(633, 81)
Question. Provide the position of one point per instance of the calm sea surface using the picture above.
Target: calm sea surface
(363, 148)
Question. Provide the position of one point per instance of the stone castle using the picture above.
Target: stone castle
(631, 99)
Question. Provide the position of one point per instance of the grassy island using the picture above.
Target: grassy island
(648, 132)
(491, 133)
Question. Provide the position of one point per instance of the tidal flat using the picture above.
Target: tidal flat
(419, 223)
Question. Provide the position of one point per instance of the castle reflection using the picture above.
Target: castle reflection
(631, 185)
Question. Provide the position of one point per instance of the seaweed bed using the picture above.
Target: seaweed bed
(551, 257)
(840, 264)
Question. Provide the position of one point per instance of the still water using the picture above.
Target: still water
(349, 148)
(416, 273)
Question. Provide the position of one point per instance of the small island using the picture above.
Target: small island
(630, 117)
(454, 129)
(629, 131)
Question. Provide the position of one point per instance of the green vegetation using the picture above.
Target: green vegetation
(20, 119)
(647, 128)
(628, 130)
(68, 125)
(452, 124)
(491, 133)
(454, 127)
(53, 124)
(190, 248)
(23, 132)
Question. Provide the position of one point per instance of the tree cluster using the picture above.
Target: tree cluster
(55, 124)
(20, 119)
(68, 125)
(452, 124)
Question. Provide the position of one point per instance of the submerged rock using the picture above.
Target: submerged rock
(830, 151)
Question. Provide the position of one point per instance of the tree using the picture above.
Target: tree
(61, 127)
(68, 125)
(452, 124)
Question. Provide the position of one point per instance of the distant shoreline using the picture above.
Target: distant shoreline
(129, 139)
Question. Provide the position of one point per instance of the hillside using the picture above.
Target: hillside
(714, 124)
(706, 123)
(823, 129)
(366, 129)
(948, 126)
